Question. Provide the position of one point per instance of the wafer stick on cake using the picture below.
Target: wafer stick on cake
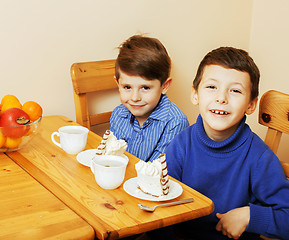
(102, 145)
(165, 177)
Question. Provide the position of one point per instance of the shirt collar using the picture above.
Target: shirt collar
(159, 113)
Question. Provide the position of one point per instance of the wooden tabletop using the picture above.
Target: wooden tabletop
(29, 211)
(112, 213)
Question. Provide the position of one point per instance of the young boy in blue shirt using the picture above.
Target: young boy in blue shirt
(146, 119)
(223, 159)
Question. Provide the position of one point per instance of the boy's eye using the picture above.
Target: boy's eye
(146, 87)
(126, 87)
(236, 91)
(211, 87)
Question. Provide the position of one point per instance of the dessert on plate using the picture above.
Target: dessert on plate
(109, 145)
(152, 177)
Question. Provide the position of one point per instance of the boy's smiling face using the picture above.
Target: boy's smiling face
(224, 97)
(140, 96)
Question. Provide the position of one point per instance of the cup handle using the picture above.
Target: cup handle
(53, 140)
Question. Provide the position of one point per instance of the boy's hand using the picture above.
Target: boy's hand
(234, 222)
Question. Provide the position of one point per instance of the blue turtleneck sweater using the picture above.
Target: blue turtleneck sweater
(239, 171)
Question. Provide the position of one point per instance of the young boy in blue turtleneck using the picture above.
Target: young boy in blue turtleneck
(223, 159)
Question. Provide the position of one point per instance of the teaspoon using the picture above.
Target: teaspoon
(151, 209)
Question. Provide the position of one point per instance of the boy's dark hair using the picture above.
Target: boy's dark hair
(145, 57)
(229, 57)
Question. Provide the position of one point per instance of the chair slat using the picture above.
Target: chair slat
(100, 118)
(89, 77)
(273, 138)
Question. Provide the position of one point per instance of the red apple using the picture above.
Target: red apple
(14, 120)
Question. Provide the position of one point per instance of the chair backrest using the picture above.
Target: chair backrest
(88, 77)
(274, 113)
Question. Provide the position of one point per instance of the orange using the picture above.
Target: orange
(12, 142)
(33, 110)
(10, 104)
(2, 139)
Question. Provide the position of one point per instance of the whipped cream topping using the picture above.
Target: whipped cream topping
(149, 168)
(114, 146)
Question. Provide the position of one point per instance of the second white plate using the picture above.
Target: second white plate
(86, 156)
(131, 187)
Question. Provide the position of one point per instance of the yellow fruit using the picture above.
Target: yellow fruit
(9, 98)
(2, 139)
(11, 104)
(12, 142)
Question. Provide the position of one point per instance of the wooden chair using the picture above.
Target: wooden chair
(274, 113)
(89, 77)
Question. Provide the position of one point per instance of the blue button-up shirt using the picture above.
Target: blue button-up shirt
(148, 141)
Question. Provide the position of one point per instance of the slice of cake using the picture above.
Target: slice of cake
(152, 177)
(109, 145)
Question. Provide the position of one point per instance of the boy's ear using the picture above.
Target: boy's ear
(166, 85)
(194, 96)
(252, 106)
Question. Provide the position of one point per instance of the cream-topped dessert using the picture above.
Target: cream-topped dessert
(152, 177)
(110, 145)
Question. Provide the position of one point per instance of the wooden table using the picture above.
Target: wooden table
(112, 213)
(29, 211)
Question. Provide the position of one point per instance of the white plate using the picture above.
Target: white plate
(131, 187)
(86, 156)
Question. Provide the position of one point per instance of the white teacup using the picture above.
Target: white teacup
(72, 138)
(109, 170)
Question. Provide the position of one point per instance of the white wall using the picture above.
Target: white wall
(269, 46)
